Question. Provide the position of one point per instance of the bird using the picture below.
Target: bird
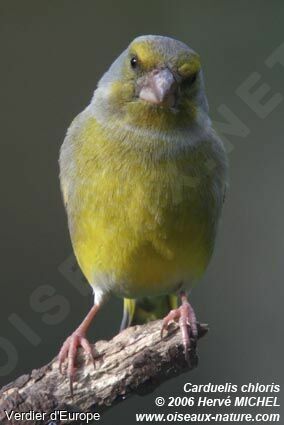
(143, 176)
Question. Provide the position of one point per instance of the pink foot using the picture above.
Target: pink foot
(186, 318)
(69, 351)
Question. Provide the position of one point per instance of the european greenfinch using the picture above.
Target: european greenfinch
(143, 177)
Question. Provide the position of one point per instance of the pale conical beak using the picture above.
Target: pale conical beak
(159, 87)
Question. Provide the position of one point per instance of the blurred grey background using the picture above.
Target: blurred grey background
(52, 55)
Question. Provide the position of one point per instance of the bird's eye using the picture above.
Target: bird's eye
(188, 83)
(191, 80)
(134, 62)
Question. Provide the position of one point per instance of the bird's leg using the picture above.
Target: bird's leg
(186, 318)
(73, 342)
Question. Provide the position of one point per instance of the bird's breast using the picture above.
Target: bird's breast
(139, 228)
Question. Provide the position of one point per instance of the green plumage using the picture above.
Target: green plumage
(143, 310)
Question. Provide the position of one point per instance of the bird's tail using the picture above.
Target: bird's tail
(143, 310)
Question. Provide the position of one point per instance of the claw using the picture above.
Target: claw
(173, 316)
(186, 318)
(69, 351)
(71, 379)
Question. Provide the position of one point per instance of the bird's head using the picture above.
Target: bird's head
(156, 82)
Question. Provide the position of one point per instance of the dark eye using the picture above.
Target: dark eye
(188, 83)
(134, 62)
(191, 80)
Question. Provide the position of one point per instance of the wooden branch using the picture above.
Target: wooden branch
(135, 361)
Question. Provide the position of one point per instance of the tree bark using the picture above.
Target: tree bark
(135, 361)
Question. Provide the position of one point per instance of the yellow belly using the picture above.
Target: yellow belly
(140, 233)
(138, 228)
